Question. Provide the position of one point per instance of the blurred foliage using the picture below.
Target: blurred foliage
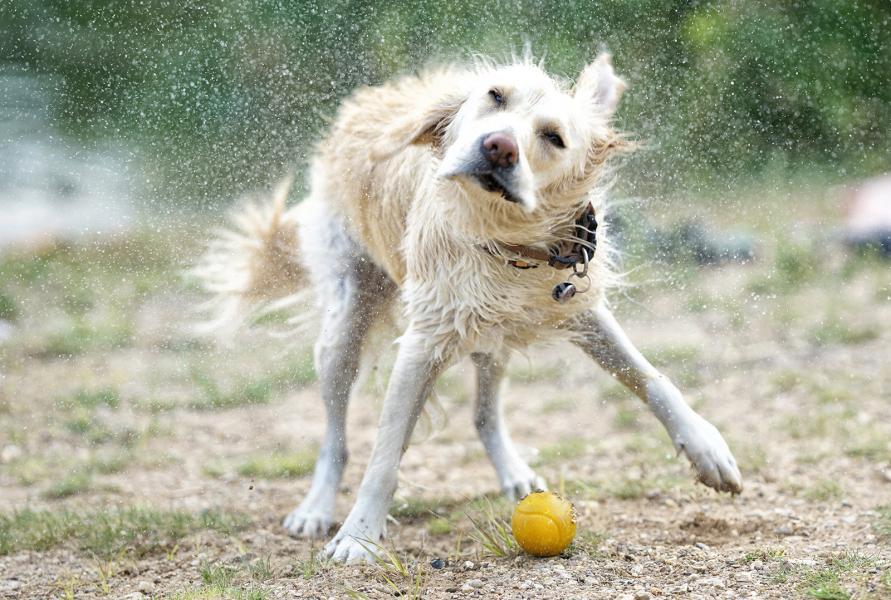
(221, 96)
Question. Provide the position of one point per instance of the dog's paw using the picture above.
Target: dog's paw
(307, 522)
(520, 482)
(351, 546)
(706, 449)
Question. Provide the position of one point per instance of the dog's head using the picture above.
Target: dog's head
(513, 134)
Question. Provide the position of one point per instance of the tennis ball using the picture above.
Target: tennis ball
(543, 523)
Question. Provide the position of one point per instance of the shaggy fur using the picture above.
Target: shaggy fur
(400, 216)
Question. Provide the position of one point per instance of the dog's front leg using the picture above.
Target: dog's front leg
(416, 369)
(601, 337)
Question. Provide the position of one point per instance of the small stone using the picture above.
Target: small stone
(757, 564)
(784, 530)
(468, 565)
(437, 563)
(475, 583)
(643, 596)
(146, 587)
(9, 453)
(715, 582)
(744, 576)
(466, 588)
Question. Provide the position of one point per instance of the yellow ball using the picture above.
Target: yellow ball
(543, 523)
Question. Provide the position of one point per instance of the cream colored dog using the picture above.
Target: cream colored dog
(450, 196)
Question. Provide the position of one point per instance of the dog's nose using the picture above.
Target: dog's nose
(500, 149)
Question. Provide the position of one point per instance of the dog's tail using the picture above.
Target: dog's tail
(254, 266)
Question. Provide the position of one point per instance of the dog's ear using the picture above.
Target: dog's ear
(600, 85)
(427, 125)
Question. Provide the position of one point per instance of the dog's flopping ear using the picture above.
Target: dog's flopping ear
(600, 85)
(426, 125)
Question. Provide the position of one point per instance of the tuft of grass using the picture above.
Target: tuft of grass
(492, 531)
(278, 465)
(837, 332)
(586, 542)
(75, 483)
(90, 399)
(883, 522)
(81, 337)
(418, 508)
(824, 490)
(825, 583)
(107, 532)
(297, 374)
(404, 579)
(532, 373)
(261, 570)
(439, 526)
(215, 592)
(8, 309)
(566, 449)
(765, 554)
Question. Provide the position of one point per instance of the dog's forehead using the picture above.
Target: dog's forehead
(528, 86)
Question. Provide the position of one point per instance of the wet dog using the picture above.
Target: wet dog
(468, 198)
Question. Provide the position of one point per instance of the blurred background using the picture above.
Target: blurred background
(193, 102)
(755, 226)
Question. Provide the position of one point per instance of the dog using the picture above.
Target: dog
(468, 200)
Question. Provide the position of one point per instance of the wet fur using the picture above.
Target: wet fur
(389, 231)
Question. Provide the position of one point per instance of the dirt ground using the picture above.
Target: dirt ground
(140, 461)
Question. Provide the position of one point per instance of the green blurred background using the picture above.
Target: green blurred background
(215, 98)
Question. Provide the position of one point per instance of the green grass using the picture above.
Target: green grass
(107, 532)
(566, 449)
(824, 490)
(826, 583)
(71, 485)
(261, 390)
(91, 399)
(279, 465)
(216, 592)
(883, 522)
(765, 554)
(9, 311)
(491, 530)
(835, 331)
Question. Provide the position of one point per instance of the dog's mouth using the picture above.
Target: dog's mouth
(492, 182)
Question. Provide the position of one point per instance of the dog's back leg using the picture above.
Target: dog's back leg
(516, 477)
(354, 294)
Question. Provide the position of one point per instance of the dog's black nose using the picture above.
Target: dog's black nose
(500, 149)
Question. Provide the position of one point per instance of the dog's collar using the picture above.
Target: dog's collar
(563, 255)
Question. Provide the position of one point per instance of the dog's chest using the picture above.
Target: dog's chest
(484, 300)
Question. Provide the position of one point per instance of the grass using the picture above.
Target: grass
(883, 522)
(106, 532)
(279, 465)
(71, 485)
(403, 578)
(566, 449)
(90, 399)
(211, 396)
(826, 583)
(835, 331)
(8, 309)
(587, 542)
(824, 490)
(765, 554)
(491, 530)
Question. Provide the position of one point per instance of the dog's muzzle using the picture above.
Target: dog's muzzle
(494, 167)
